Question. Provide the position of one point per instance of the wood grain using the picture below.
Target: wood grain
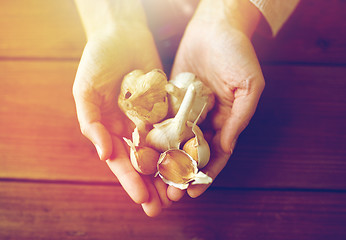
(40, 136)
(315, 33)
(67, 211)
(297, 137)
(286, 179)
(295, 140)
(40, 29)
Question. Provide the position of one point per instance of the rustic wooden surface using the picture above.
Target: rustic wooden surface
(286, 179)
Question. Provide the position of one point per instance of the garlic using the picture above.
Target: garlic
(176, 89)
(197, 147)
(143, 159)
(143, 97)
(173, 131)
(178, 169)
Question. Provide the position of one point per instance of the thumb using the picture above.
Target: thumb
(241, 113)
(89, 117)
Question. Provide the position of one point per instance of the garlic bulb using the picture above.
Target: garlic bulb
(178, 169)
(143, 159)
(143, 97)
(176, 89)
(173, 131)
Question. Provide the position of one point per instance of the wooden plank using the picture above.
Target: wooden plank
(315, 33)
(40, 29)
(295, 140)
(61, 211)
(51, 29)
(40, 136)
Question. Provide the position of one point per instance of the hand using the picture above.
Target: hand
(216, 47)
(107, 57)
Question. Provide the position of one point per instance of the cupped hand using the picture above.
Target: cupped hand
(221, 55)
(107, 57)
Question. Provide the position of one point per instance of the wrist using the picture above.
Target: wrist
(239, 14)
(107, 16)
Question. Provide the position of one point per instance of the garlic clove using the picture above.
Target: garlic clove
(146, 160)
(172, 132)
(178, 169)
(176, 166)
(204, 96)
(143, 97)
(176, 89)
(191, 148)
(197, 147)
(143, 159)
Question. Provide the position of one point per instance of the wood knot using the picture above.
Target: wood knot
(323, 44)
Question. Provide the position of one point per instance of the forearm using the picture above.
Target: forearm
(276, 12)
(106, 15)
(240, 14)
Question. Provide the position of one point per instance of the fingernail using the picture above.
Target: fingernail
(99, 151)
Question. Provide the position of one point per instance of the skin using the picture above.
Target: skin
(216, 47)
(113, 50)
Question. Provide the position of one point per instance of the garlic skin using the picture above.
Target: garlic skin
(176, 89)
(143, 97)
(173, 131)
(198, 147)
(178, 169)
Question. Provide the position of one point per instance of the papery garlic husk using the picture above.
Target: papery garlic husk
(143, 97)
(198, 148)
(176, 89)
(178, 169)
(173, 131)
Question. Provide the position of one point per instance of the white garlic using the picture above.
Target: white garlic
(143, 97)
(176, 89)
(173, 131)
(143, 159)
(198, 148)
(178, 169)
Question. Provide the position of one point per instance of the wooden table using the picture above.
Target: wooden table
(286, 179)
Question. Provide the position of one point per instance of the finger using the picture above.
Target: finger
(89, 117)
(174, 193)
(130, 180)
(218, 161)
(241, 113)
(161, 189)
(181, 64)
(149, 58)
(152, 207)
